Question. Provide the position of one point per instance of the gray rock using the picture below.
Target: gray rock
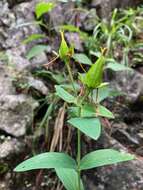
(61, 14)
(106, 6)
(123, 176)
(38, 85)
(7, 19)
(6, 86)
(103, 7)
(10, 147)
(89, 20)
(129, 83)
(39, 60)
(4, 185)
(18, 62)
(16, 113)
(16, 29)
(12, 3)
(74, 38)
(16, 24)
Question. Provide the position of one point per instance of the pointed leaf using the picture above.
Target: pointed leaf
(33, 37)
(103, 93)
(117, 67)
(103, 157)
(90, 111)
(63, 94)
(42, 8)
(104, 112)
(82, 58)
(69, 178)
(36, 50)
(72, 28)
(47, 161)
(104, 84)
(89, 126)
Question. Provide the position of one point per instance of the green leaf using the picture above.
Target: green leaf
(70, 28)
(66, 1)
(103, 93)
(103, 157)
(104, 112)
(63, 1)
(69, 178)
(90, 111)
(33, 37)
(89, 126)
(54, 76)
(117, 67)
(47, 161)
(82, 58)
(36, 50)
(73, 111)
(93, 78)
(86, 111)
(102, 85)
(69, 86)
(63, 94)
(42, 8)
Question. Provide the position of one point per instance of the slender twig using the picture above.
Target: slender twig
(70, 75)
(51, 62)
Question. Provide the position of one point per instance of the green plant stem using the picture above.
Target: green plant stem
(79, 151)
(78, 157)
(48, 112)
(78, 131)
(70, 75)
(79, 141)
(97, 93)
(109, 44)
(79, 114)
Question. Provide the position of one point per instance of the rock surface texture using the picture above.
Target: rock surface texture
(106, 6)
(16, 109)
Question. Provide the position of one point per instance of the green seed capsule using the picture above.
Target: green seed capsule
(64, 49)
